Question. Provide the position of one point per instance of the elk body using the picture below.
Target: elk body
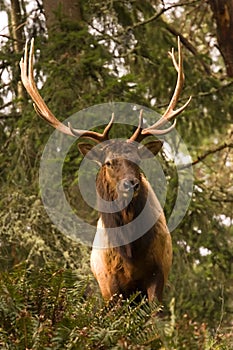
(132, 249)
(129, 259)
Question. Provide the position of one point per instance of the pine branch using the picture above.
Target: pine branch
(173, 31)
(159, 14)
(223, 200)
(207, 153)
(8, 37)
(3, 116)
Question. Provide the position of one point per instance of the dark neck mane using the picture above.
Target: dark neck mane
(119, 236)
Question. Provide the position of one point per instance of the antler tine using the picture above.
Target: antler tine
(26, 66)
(170, 113)
(92, 134)
(137, 135)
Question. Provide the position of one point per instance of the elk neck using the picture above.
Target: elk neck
(115, 221)
(123, 211)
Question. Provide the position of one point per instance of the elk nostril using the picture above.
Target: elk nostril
(131, 185)
(136, 186)
(127, 185)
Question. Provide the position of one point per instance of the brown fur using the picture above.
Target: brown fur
(128, 265)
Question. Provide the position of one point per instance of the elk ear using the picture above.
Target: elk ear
(84, 148)
(154, 147)
(91, 152)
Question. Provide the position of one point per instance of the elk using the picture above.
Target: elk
(128, 254)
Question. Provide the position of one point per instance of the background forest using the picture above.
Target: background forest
(91, 52)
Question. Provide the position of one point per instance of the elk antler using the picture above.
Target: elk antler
(170, 113)
(26, 66)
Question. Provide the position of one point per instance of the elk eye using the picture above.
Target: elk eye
(108, 164)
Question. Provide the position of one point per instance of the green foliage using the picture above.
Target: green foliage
(32, 239)
(117, 52)
(48, 308)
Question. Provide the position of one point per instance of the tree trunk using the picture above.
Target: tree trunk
(63, 8)
(18, 43)
(223, 15)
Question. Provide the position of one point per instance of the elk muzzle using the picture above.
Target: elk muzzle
(128, 187)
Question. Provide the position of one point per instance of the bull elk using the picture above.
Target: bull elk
(129, 262)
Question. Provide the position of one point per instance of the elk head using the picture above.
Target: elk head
(119, 162)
